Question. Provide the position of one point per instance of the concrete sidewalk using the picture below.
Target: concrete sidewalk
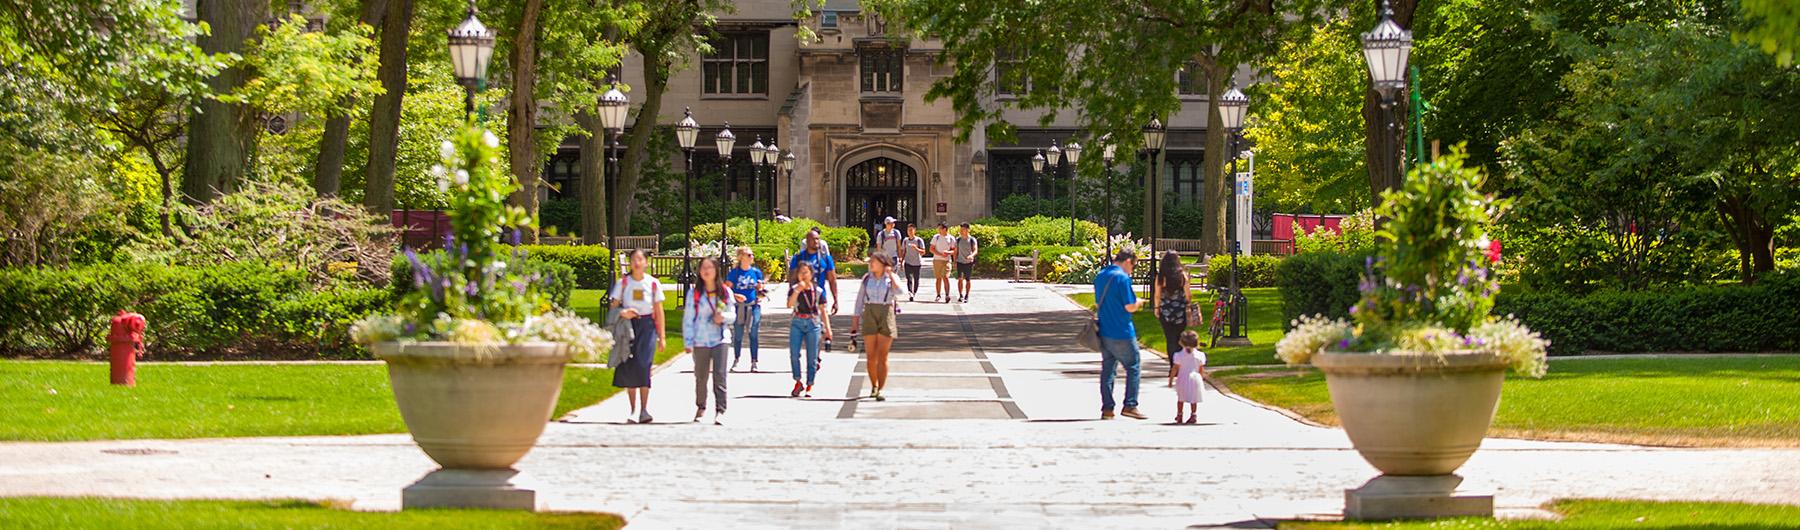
(992, 424)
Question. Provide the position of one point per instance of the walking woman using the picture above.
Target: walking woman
(1170, 292)
(706, 327)
(875, 307)
(746, 281)
(803, 329)
(638, 297)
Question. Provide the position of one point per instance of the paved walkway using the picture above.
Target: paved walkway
(991, 424)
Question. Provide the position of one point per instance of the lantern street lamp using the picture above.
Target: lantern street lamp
(1108, 149)
(1154, 138)
(758, 153)
(1073, 154)
(1232, 107)
(724, 140)
(1386, 49)
(1037, 161)
(471, 45)
(686, 132)
(771, 155)
(787, 164)
(613, 106)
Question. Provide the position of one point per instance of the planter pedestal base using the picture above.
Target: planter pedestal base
(488, 489)
(1424, 497)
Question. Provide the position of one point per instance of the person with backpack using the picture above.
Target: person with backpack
(966, 249)
(912, 249)
(706, 329)
(875, 308)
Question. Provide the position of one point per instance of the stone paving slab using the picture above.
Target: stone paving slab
(788, 463)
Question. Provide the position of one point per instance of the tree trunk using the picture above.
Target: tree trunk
(521, 124)
(1753, 235)
(1217, 191)
(384, 120)
(217, 131)
(594, 225)
(637, 140)
(1385, 129)
(328, 170)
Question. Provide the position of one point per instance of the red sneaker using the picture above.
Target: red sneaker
(797, 388)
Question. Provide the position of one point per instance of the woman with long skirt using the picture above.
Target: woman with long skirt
(638, 297)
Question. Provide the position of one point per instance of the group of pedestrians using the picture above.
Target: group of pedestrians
(1114, 302)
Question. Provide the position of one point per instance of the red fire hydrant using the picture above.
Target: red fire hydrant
(126, 343)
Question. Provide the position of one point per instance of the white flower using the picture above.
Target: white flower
(462, 177)
(446, 150)
(443, 184)
(1310, 335)
(437, 170)
(490, 139)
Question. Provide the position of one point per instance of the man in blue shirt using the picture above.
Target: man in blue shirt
(815, 254)
(1115, 302)
(746, 285)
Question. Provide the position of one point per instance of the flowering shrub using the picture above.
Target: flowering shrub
(1354, 234)
(1429, 289)
(477, 291)
(1081, 266)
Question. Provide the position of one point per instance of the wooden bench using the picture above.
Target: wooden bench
(1022, 265)
(644, 243)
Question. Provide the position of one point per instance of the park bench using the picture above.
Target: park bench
(1025, 268)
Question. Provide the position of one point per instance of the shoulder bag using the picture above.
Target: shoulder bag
(1089, 337)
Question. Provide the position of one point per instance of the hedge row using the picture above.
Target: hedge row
(1723, 318)
(562, 277)
(230, 309)
(588, 262)
(1318, 283)
(1257, 270)
(1711, 318)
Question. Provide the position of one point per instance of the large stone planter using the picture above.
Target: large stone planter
(476, 411)
(1417, 418)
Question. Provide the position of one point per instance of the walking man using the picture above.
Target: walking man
(966, 249)
(887, 240)
(1116, 302)
(942, 246)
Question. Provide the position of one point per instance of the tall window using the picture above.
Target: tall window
(738, 65)
(1010, 174)
(882, 69)
(1185, 176)
(1009, 73)
(1190, 80)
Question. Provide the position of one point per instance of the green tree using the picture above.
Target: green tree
(1776, 27)
(384, 118)
(1307, 127)
(220, 131)
(1116, 61)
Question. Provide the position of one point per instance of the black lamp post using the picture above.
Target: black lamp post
(1037, 162)
(787, 164)
(471, 46)
(1386, 49)
(1232, 107)
(686, 132)
(724, 140)
(1154, 138)
(761, 157)
(1073, 154)
(1107, 150)
(613, 106)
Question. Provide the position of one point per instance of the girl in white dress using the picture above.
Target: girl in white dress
(1190, 368)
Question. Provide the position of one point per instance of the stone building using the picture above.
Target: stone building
(852, 109)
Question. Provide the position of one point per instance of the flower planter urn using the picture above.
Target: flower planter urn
(1416, 418)
(475, 410)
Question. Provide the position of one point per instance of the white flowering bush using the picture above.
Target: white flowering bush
(1311, 335)
(1080, 267)
(1520, 346)
(586, 342)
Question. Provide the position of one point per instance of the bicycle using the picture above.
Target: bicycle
(1221, 311)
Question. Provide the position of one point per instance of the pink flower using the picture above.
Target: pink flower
(1493, 252)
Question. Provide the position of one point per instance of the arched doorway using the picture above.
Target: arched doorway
(877, 188)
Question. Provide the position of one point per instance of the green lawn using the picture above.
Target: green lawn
(51, 513)
(64, 401)
(1598, 514)
(1700, 401)
(1264, 323)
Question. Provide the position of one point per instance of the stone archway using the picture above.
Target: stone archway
(878, 181)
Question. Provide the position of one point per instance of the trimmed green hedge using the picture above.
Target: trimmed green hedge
(1315, 283)
(1723, 318)
(997, 261)
(249, 309)
(561, 286)
(588, 262)
(1253, 271)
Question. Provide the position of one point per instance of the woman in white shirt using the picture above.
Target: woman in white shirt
(875, 307)
(638, 297)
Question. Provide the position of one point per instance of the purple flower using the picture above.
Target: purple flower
(517, 236)
(418, 269)
(1344, 344)
(472, 288)
(449, 240)
(1354, 308)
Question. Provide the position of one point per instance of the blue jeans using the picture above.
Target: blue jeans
(747, 315)
(1124, 352)
(804, 331)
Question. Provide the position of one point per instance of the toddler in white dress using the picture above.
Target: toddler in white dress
(1190, 368)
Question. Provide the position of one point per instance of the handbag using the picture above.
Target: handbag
(1089, 336)
(1194, 316)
